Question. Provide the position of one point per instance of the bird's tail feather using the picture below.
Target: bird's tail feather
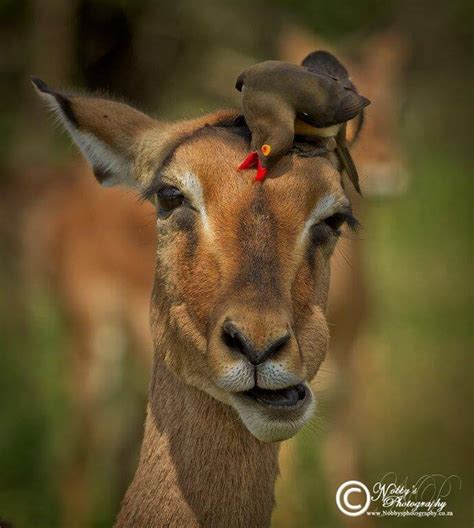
(346, 159)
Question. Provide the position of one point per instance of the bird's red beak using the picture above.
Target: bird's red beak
(251, 161)
(261, 172)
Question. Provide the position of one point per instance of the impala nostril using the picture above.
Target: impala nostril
(237, 341)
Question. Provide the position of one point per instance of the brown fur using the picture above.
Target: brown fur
(219, 475)
(94, 252)
(256, 226)
(242, 251)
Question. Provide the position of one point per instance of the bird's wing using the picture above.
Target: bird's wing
(325, 63)
(351, 103)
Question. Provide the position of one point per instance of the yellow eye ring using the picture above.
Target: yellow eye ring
(266, 149)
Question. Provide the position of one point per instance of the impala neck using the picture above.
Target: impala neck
(198, 466)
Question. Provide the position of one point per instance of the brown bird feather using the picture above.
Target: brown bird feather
(275, 94)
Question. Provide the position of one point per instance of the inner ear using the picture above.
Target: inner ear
(107, 132)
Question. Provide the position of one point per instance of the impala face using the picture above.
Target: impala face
(242, 277)
(242, 267)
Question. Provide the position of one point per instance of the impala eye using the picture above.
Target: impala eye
(336, 221)
(169, 198)
(331, 226)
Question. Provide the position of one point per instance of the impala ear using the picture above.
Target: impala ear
(107, 132)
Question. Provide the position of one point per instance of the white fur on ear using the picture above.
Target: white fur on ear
(109, 165)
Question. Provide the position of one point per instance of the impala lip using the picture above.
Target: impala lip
(288, 399)
(275, 415)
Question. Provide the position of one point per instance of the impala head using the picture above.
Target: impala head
(242, 268)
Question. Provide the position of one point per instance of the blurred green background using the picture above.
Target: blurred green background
(413, 368)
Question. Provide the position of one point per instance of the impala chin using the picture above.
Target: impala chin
(275, 415)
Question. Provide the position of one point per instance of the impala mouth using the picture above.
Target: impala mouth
(288, 398)
(275, 415)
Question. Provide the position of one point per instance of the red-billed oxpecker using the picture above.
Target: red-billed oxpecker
(280, 100)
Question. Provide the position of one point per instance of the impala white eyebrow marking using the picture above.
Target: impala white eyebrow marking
(325, 207)
(189, 184)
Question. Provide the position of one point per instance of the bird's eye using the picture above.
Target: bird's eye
(169, 198)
